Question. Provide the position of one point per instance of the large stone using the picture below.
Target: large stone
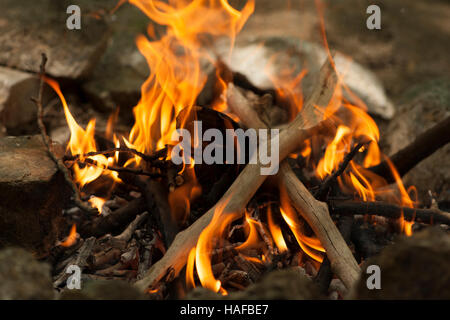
(16, 108)
(422, 107)
(32, 194)
(261, 59)
(104, 290)
(117, 79)
(288, 284)
(414, 268)
(27, 30)
(22, 277)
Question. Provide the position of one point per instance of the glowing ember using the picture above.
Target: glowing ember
(276, 232)
(213, 232)
(97, 203)
(71, 238)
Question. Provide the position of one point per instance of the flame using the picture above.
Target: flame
(109, 132)
(275, 230)
(287, 85)
(190, 283)
(211, 233)
(306, 152)
(253, 235)
(176, 77)
(306, 243)
(180, 199)
(98, 203)
(82, 142)
(405, 199)
(71, 238)
(334, 153)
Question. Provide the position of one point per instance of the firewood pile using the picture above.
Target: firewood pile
(110, 198)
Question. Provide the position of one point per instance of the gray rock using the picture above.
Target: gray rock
(261, 58)
(117, 79)
(104, 290)
(288, 284)
(22, 277)
(32, 194)
(27, 30)
(16, 90)
(422, 107)
(414, 268)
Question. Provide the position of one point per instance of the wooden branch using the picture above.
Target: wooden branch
(388, 210)
(325, 274)
(139, 172)
(246, 184)
(423, 146)
(330, 180)
(148, 158)
(313, 211)
(115, 220)
(316, 214)
(126, 235)
(48, 143)
(79, 260)
(157, 203)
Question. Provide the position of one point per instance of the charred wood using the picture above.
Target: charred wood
(430, 216)
(422, 147)
(115, 221)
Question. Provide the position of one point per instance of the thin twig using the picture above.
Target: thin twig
(389, 210)
(48, 143)
(141, 172)
(326, 185)
(423, 146)
(148, 158)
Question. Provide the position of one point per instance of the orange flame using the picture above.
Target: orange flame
(98, 203)
(334, 153)
(404, 200)
(204, 247)
(306, 243)
(176, 77)
(276, 232)
(71, 238)
(190, 283)
(82, 142)
(253, 235)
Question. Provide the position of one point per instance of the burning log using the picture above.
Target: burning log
(329, 181)
(390, 210)
(315, 212)
(114, 221)
(128, 232)
(422, 147)
(157, 203)
(247, 183)
(325, 275)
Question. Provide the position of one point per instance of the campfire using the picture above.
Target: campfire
(220, 182)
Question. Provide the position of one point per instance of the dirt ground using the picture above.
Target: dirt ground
(412, 46)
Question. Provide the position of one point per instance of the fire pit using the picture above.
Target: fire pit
(247, 167)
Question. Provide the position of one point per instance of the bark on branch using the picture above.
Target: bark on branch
(422, 147)
(388, 210)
